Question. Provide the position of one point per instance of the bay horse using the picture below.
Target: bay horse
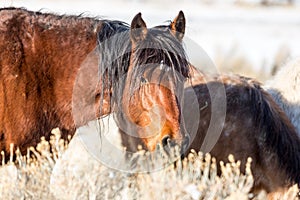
(63, 71)
(285, 89)
(255, 126)
(151, 112)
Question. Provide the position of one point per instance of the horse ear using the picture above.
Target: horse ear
(178, 26)
(138, 29)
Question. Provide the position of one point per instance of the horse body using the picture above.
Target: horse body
(40, 57)
(254, 127)
(285, 89)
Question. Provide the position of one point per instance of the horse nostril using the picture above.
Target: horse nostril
(165, 140)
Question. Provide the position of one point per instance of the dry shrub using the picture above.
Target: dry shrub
(195, 177)
(29, 176)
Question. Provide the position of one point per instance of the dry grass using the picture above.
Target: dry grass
(193, 178)
(232, 61)
(29, 176)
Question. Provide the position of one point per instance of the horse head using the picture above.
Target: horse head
(153, 87)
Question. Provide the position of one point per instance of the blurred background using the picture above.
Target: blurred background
(249, 37)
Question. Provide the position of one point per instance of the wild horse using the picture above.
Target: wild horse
(63, 71)
(254, 126)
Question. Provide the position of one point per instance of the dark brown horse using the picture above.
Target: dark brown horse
(254, 126)
(63, 71)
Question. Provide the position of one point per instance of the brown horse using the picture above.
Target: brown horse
(152, 110)
(63, 71)
(254, 126)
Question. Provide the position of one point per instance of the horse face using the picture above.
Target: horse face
(154, 83)
(154, 107)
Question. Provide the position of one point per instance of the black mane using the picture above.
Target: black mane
(115, 48)
(114, 53)
(161, 48)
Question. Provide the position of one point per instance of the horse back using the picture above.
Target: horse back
(254, 127)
